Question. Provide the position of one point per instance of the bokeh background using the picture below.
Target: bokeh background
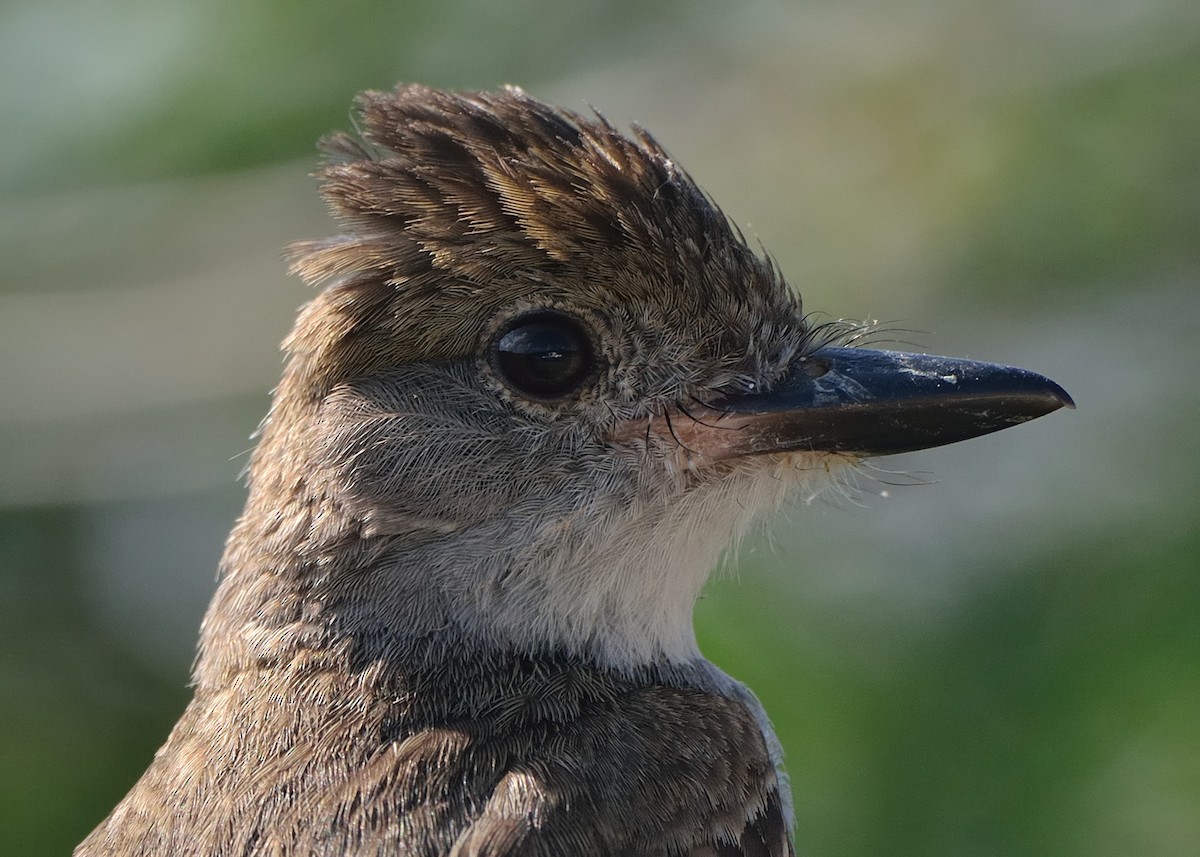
(991, 649)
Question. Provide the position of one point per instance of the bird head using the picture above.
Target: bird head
(545, 384)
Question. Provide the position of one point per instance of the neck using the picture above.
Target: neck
(617, 591)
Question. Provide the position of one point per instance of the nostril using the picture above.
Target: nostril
(815, 367)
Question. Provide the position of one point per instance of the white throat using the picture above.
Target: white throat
(621, 590)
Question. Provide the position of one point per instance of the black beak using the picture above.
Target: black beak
(856, 400)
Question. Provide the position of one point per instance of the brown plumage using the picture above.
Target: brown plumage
(526, 413)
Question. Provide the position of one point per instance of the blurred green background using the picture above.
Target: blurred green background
(991, 649)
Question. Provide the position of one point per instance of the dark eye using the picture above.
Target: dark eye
(543, 355)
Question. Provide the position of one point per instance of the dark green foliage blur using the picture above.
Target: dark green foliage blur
(991, 649)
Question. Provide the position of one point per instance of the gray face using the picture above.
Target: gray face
(490, 237)
(545, 385)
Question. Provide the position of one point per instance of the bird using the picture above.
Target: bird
(544, 384)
